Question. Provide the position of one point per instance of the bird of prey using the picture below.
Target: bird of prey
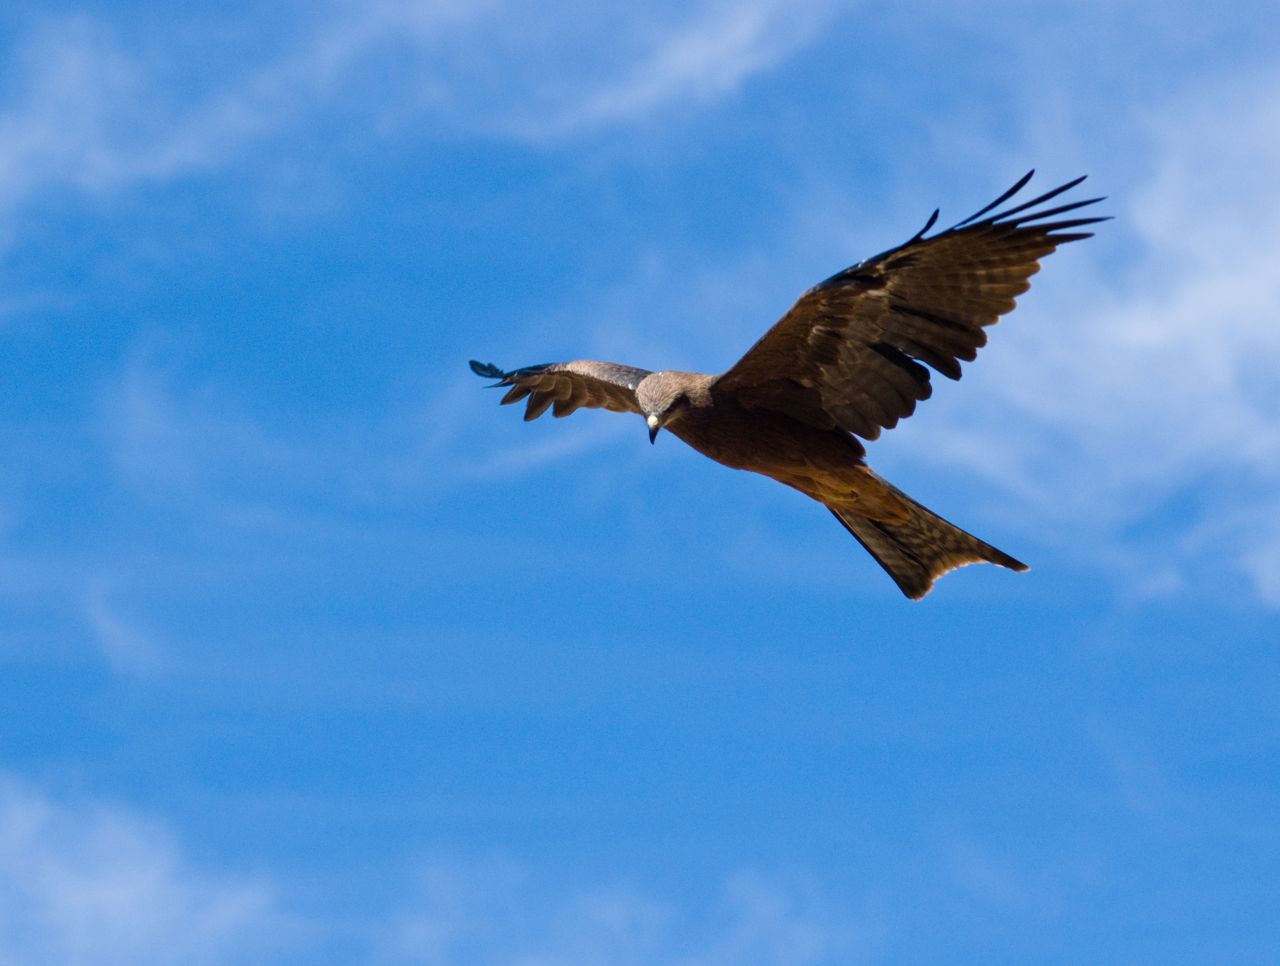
(847, 361)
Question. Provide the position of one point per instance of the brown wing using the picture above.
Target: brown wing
(564, 386)
(849, 352)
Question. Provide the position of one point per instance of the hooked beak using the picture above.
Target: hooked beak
(654, 426)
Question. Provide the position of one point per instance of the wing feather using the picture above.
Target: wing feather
(849, 352)
(564, 387)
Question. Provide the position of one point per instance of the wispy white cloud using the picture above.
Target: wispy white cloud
(753, 919)
(84, 882)
(66, 104)
(127, 646)
(709, 57)
(82, 110)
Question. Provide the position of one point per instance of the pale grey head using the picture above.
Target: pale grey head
(666, 396)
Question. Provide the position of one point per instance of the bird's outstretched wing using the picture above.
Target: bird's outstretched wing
(564, 386)
(849, 352)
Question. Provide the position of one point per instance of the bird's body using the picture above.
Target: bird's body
(844, 363)
(825, 464)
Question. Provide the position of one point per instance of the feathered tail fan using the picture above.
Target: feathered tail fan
(916, 553)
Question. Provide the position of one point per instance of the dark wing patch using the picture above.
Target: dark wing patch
(563, 387)
(849, 352)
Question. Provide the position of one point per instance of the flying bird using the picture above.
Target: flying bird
(850, 358)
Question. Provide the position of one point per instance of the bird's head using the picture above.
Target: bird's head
(663, 397)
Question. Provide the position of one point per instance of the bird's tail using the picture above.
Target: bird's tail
(917, 552)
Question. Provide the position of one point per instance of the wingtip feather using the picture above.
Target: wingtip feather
(933, 220)
(1018, 186)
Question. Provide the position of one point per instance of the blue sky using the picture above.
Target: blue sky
(313, 654)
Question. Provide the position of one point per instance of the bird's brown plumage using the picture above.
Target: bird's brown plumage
(848, 360)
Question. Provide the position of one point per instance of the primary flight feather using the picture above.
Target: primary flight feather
(851, 358)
